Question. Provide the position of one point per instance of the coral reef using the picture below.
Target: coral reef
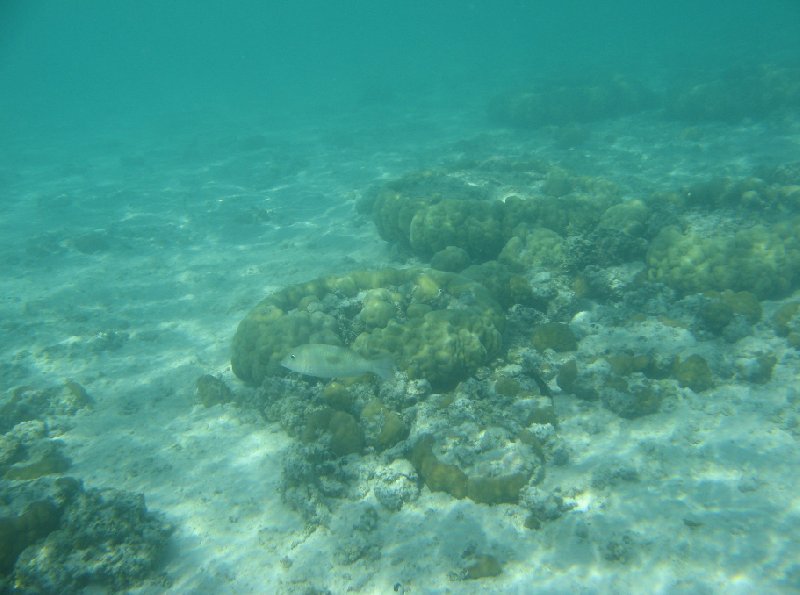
(746, 91)
(761, 259)
(28, 452)
(434, 325)
(58, 537)
(440, 215)
(567, 103)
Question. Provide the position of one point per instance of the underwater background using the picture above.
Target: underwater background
(558, 243)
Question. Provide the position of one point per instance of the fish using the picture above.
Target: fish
(331, 361)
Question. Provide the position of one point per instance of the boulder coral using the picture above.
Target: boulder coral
(434, 325)
(440, 215)
(762, 259)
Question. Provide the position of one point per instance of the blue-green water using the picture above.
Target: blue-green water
(571, 227)
(85, 63)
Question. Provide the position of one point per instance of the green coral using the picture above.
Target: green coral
(764, 260)
(431, 214)
(378, 308)
(721, 308)
(577, 211)
(751, 194)
(505, 286)
(435, 325)
(629, 217)
(534, 248)
(339, 429)
(451, 259)
(443, 346)
(394, 205)
(475, 226)
(337, 395)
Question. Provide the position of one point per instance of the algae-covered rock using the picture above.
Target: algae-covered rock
(632, 398)
(482, 567)
(210, 391)
(498, 475)
(721, 308)
(383, 427)
(105, 539)
(623, 363)
(556, 336)
(757, 369)
(439, 326)
(715, 315)
(27, 452)
(56, 537)
(507, 386)
(693, 372)
(42, 458)
(493, 475)
(396, 484)
(567, 376)
(743, 303)
(438, 476)
(25, 403)
(19, 531)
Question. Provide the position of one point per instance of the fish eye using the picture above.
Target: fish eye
(292, 355)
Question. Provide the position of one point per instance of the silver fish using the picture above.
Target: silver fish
(332, 361)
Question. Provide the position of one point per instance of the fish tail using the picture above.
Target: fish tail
(384, 368)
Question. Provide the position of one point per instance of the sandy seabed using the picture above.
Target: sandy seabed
(129, 261)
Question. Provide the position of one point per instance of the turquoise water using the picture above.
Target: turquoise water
(83, 65)
(572, 228)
